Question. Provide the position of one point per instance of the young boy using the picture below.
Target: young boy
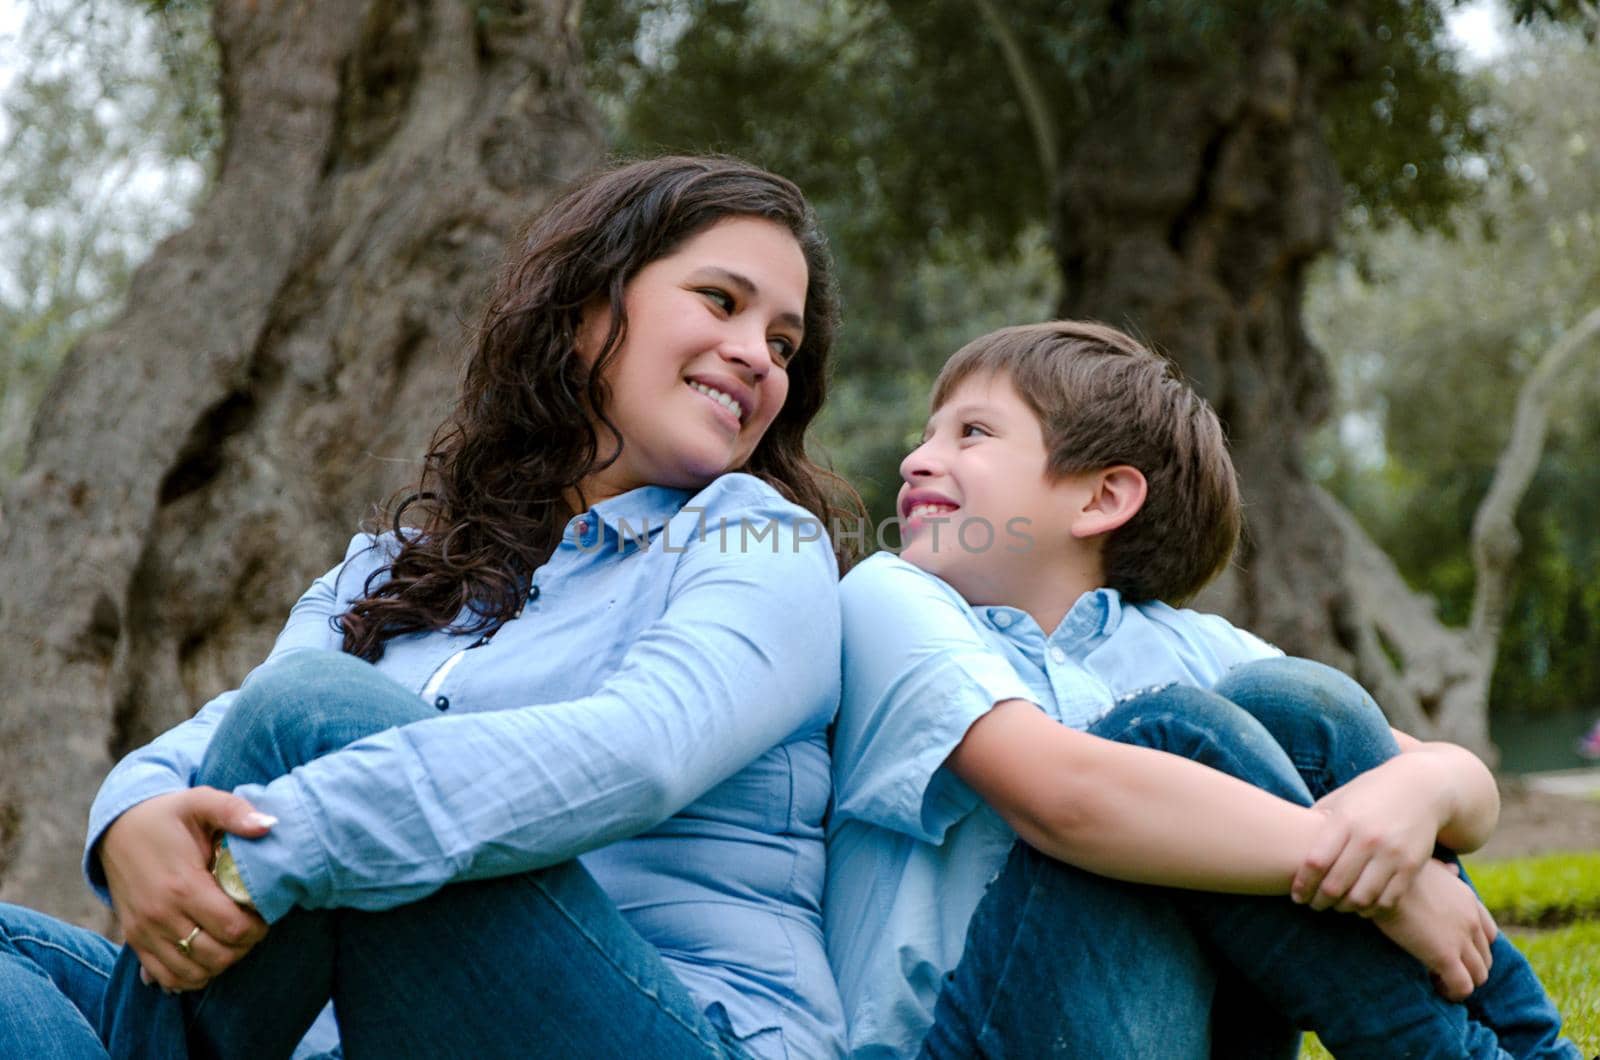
(996, 674)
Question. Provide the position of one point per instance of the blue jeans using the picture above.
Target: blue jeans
(1061, 962)
(539, 964)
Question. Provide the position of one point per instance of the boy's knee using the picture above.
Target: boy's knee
(1206, 728)
(1144, 717)
(1285, 686)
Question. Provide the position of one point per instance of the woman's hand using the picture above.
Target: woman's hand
(157, 861)
(1441, 923)
(1380, 831)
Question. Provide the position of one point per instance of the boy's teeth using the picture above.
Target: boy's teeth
(718, 396)
(929, 510)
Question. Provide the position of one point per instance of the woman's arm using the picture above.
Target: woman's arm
(745, 655)
(148, 851)
(168, 763)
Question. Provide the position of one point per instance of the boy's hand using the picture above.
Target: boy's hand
(1380, 831)
(1441, 923)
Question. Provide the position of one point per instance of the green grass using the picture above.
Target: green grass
(1568, 962)
(1545, 890)
(1553, 888)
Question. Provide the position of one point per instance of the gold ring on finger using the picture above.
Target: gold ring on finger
(186, 944)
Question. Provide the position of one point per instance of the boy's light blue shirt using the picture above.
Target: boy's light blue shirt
(911, 848)
(661, 711)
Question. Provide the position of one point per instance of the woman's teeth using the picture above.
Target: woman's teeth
(722, 399)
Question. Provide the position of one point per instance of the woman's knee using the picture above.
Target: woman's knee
(298, 707)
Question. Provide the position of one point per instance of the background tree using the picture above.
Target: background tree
(1174, 166)
(195, 463)
(107, 135)
(1453, 324)
(1188, 162)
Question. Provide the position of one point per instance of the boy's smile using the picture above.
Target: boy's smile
(981, 512)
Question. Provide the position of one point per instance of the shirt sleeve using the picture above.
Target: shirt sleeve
(745, 654)
(170, 762)
(1229, 645)
(918, 672)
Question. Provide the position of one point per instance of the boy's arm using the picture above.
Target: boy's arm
(1131, 813)
(1143, 815)
(1382, 826)
(1467, 787)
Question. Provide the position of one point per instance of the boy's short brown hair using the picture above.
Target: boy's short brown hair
(1103, 399)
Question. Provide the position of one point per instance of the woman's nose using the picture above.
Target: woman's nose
(750, 351)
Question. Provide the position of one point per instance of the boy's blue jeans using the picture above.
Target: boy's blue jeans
(539, 964)
(1061, 962)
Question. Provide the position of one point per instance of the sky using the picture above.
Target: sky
(11, 13)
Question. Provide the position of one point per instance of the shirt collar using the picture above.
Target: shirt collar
(629, 516)
(1096, 614)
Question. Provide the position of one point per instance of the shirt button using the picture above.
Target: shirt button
(533, 593)
(583, 526)
(1057, 655)
(443, 703)
(1002, 619)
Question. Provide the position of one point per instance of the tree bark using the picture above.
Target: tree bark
(278, 369)
(1189, 209)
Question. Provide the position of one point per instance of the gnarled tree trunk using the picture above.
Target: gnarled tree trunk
(1189, 209)
(278, 368)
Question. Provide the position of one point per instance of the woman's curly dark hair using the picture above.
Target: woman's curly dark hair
(490, 507)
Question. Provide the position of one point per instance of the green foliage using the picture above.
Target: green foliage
(1430, 338)
(841, 96)
(105, 137)
(1402, 129)
(906, 110)
(1534, 891)
(901, 326)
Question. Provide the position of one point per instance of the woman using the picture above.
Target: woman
(601, 642)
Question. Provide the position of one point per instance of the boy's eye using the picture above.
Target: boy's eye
(973, 430)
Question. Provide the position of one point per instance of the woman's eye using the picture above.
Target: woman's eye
(782, 349)
(722, 299)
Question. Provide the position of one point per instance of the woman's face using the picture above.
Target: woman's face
(703, 368)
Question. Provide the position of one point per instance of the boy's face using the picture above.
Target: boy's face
(978, 508)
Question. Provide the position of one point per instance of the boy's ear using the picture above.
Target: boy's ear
(1115, 495)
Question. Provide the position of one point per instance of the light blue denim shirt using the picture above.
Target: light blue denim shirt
(911, 848)
(659, 708)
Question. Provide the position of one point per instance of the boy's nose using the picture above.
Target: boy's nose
(920, 463)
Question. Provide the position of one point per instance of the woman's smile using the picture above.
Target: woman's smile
(703, 367)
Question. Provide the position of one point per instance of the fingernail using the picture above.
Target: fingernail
(260, 820)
